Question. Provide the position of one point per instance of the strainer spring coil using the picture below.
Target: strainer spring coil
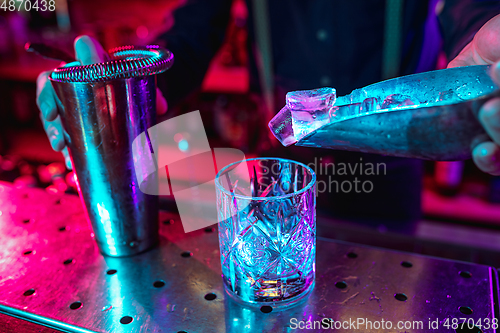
(126, 62)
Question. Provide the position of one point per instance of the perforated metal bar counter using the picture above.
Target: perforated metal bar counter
(51, 273)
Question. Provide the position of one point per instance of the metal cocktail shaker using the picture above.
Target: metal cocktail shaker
(103, 108)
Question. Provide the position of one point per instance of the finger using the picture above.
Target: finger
(45, 96)
(486, 155)
(89, 51)
(464, 58)
(489, 116)
(484, 49)
(161, 103)
(54, 132)
(487, 42)
(67, 159)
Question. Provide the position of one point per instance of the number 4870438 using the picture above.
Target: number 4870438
(28, 5)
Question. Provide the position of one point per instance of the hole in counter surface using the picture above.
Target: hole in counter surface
(210, 296)
(126, 320)
(266, 309)
(68, 261)
(352, 255)
(465, 310)
(75, 305)
(465, 274)
(401, 297)
(29, 292)
(159, 284)
(341, 285)
(111, 271)
(186, 254)
(406, 264)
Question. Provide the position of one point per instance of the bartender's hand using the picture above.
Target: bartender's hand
(88, 51)
(485, 50)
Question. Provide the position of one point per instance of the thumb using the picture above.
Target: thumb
(484, 49)
(88, 51)
(487, 41)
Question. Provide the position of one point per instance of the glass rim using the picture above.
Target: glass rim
(239, 196)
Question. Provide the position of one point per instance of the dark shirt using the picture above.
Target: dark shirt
(337, 43)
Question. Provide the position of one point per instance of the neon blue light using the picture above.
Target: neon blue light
(183, 145)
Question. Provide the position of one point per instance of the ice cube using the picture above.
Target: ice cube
(281, 127)
(371, 104)
(310, 109)
(447, 96)
(315, 99)
(395, 101)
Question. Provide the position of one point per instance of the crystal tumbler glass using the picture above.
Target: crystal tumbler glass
(267, 230)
